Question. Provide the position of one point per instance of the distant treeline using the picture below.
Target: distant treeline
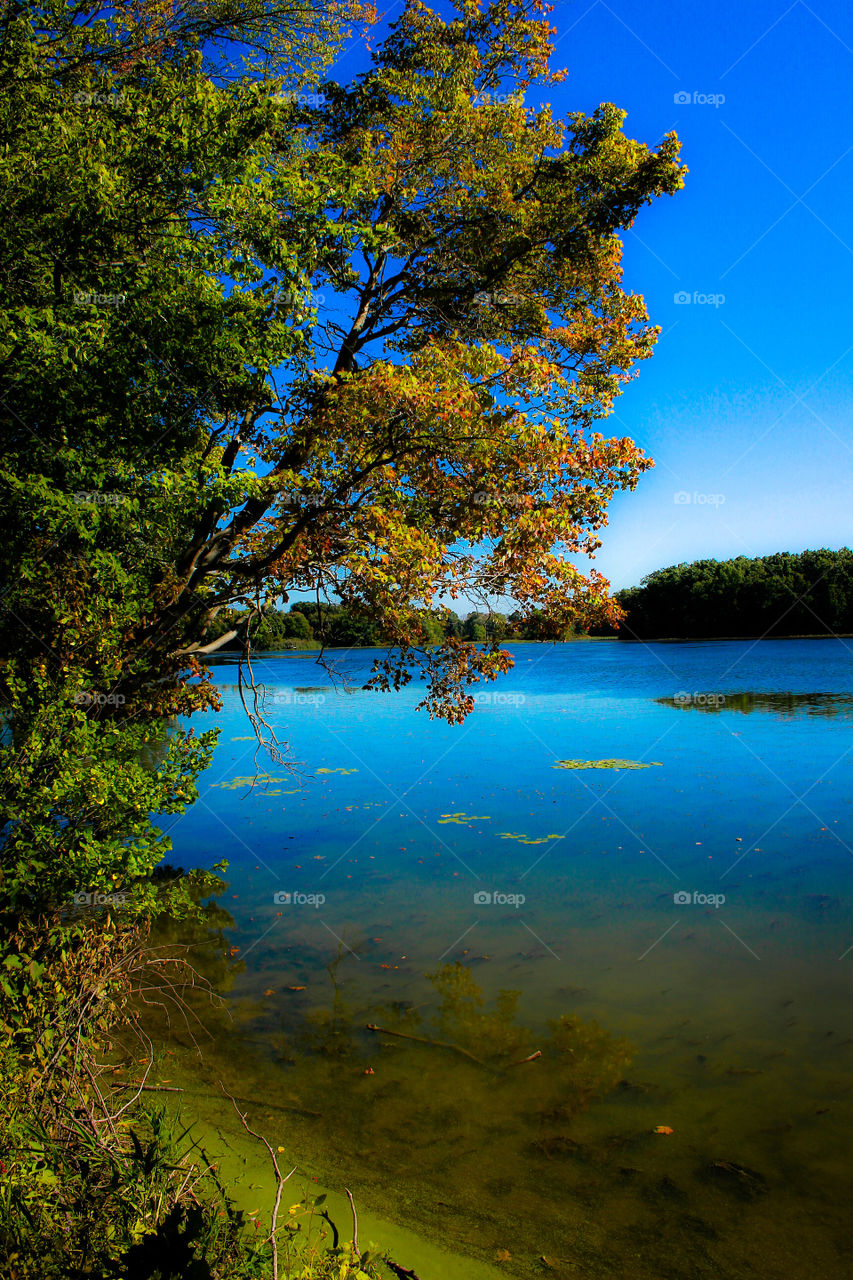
(787, 594)
(305, 626)
(780, 595)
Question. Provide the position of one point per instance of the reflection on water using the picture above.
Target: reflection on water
(781, 704)
(516, 1140)
(569, 1016)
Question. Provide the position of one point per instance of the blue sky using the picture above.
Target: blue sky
(746, 405)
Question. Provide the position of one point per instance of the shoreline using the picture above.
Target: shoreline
(844, 635)
(298, 653)
(244, 1169)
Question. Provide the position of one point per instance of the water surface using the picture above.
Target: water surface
(677, 932)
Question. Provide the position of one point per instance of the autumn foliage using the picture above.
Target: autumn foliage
(462, 327)
(267, 333)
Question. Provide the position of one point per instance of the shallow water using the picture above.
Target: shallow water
(677, 934)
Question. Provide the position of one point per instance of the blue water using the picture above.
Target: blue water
(699, 907)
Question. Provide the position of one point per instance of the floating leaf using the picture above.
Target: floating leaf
(462, 818)
(605, 764)
(525, 839)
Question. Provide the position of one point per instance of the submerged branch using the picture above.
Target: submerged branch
(437, 1044)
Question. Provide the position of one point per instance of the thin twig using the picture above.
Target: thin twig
(279, 1178)
(403, 1272)
(531, 1057)
(266, 1106)
(438, 1044)
(354, 1223)
(151, 1088)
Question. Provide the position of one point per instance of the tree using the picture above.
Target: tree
(784, 594)
(134, 186)
(452, 624)
(487, 331)
(186, 432)
(297, 626)
(189, 436)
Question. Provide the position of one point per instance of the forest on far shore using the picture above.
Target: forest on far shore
(309, 626)
(786, 594)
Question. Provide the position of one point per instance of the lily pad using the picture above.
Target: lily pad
(248, 780)
(525, 839)
(462, 819)
(606, 764)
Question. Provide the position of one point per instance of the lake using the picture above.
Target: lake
(602, 933)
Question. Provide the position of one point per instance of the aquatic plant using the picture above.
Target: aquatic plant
(491, 1033)
(605, 764)
(590, 1061)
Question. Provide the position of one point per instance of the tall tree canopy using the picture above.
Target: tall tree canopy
(134, 315)
(263, 333)
(787, 594)
(423, 431)
(433, 436)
